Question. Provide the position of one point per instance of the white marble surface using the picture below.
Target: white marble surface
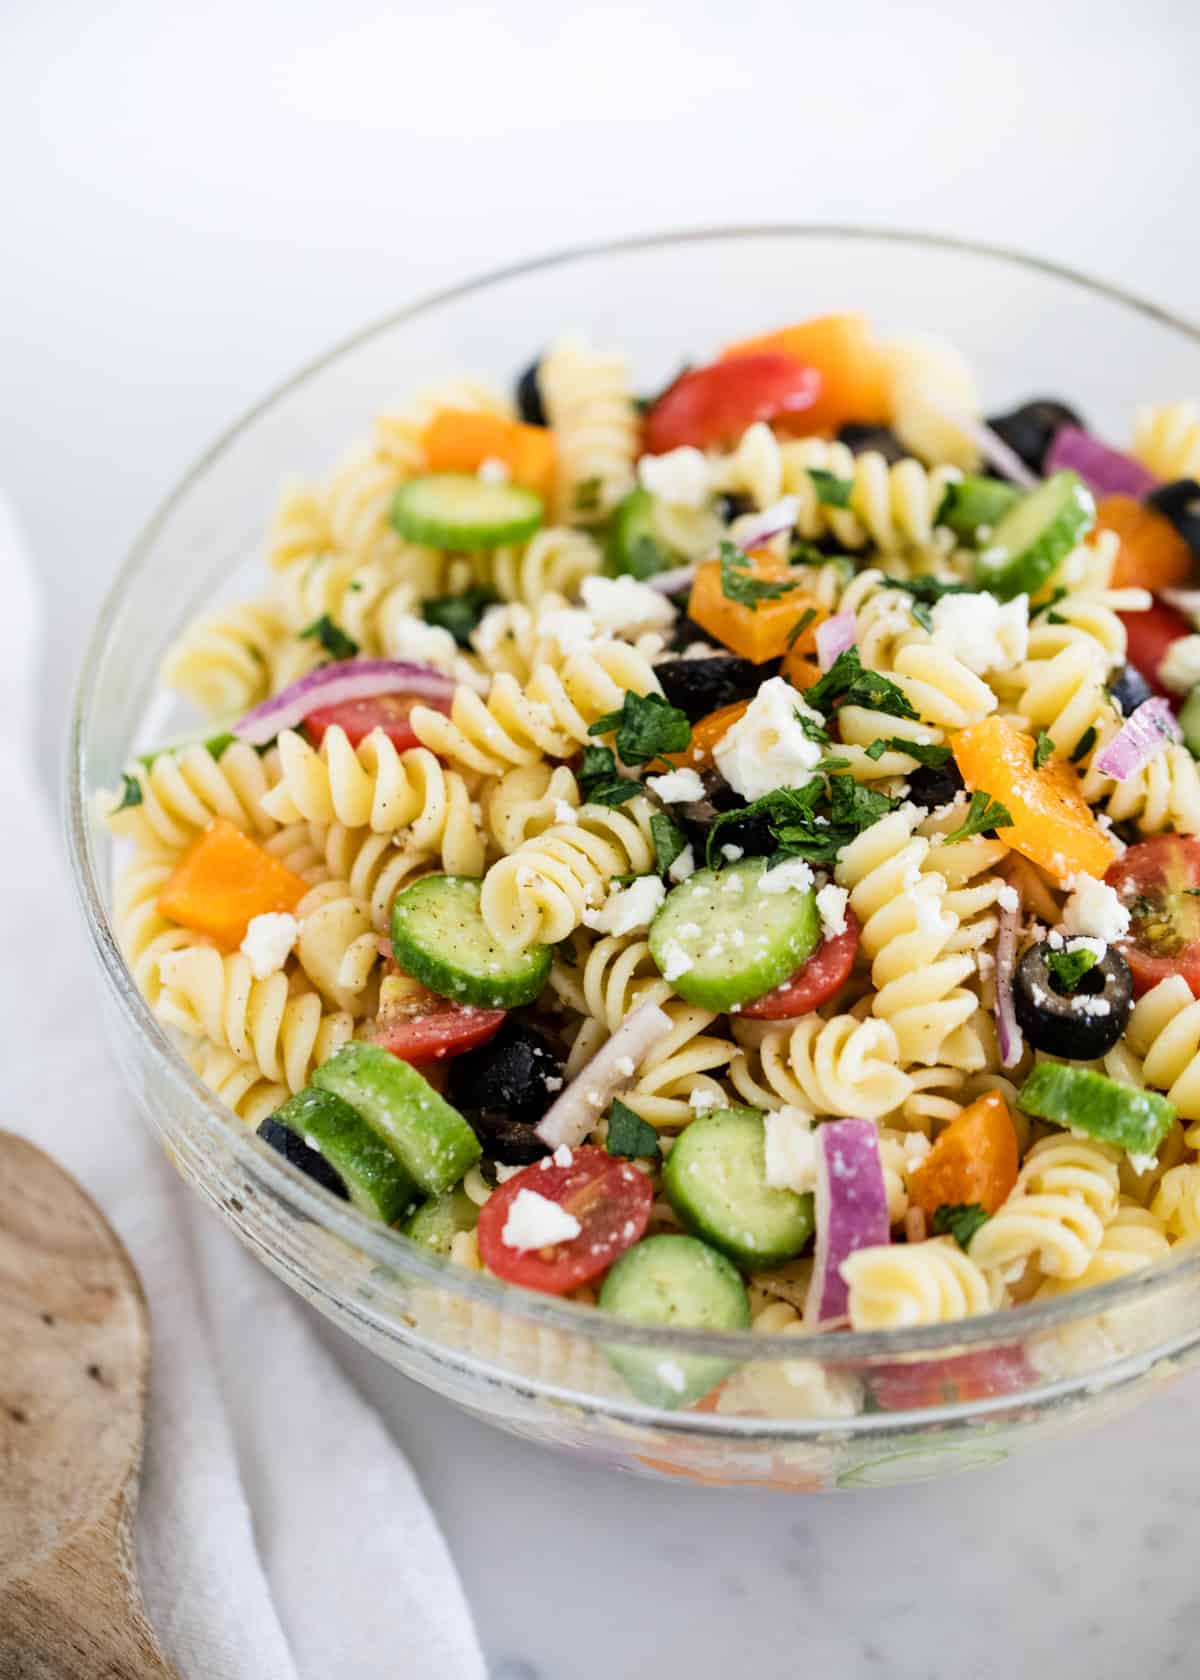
(197, 199)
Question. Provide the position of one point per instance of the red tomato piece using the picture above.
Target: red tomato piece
(389, 712)
(608, 1196)
(902, 1387)
(813, 983)
(422, 1027)
(709, 404)
(1148, 636)
(1156, 881)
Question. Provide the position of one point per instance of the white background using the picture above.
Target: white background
(195, 199)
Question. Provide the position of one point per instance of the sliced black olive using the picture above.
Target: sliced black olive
(700, 686)
(730, 507)
(880, 440)
(697, 816)
(1078, 1025)
(1180, 501)
(1029, 430)
(931, 789)
(310, 1161)
(504, 1088)
(529, 397)
(1129, 689)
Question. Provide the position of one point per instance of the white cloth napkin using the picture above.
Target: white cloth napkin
(281, 1533)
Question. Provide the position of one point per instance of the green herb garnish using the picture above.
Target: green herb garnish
(1084, 744)
(587, 495)
(599, 782)
(801, 625)
(984, 813)
(831, 490)
(669, 840)
(629, 1134)
(1067, 968)
(813, 822)
(847, 683)
(738, 582)
(959, 1220)
(1043, 749)
(131, 792)
(331, 637)
(460, 614)
(646, 727)
(927, 753)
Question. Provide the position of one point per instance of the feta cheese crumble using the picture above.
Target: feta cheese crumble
(493, 471)
(268, 942)
(1180, 670)
(534, 1221)
(767, 747)
(683, 866)
(981, 632)
(1094, 909)
(628, 909)
(831, 907)
(622, 603)
(681, 476)
(425, 644)
(675, 960)
(677, 787)
(791, 1150)
(1008, 898)
(794, 875)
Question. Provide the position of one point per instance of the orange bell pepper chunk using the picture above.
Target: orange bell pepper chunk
(1052, 824)
(460, 440)
(755, 632)
(854, 384)
(974, 1160)
(224, 881)
(1152, 554)
(706, 734)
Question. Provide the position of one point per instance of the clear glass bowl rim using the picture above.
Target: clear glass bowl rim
(381, 1244)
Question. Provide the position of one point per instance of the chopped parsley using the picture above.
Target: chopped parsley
(629, 1134)
(847, 683)
(647, 727)
(813, 731)
(927, 753)
(959, 1220)
(599, 782)
(669, 840)
(587, 495)
(831, 490)
(801, 625)
(813, 822)
(331, 637)
(984, 813)
(1084, 744)
(642, 558)
(131, 792)
(1043, 749)
(928, 589)
(738, 582)
(1067, 968)
(460, 614)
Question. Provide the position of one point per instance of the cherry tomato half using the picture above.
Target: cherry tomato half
(813, 983)
(389, 712)
(709, 404)
(1156, 882)
(608, 1196)
(984, 1375)
(1148, 636)
(418, 1026)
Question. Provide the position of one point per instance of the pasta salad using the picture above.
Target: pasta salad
(729, 856)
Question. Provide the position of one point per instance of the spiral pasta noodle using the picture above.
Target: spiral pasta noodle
(1166, 439)
(1065, 1195)
(236, 1083)
(589, 403)
(1177, 1203)
(182, 791)
(835, 1067)
(1133, 1238)
(554, 562)
(900, 1286)
(1164, 1030)
(525, 802)
(144, 934)
(222, 663)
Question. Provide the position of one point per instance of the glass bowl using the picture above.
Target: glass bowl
(794, 1411)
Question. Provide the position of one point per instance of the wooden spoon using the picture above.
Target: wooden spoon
(74, 1359)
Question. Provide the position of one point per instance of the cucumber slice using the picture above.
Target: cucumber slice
(1039, 531)
(633, 549)
(973, 501)
(436, 1223)
(430, 1138)
(680, 1283)
(722, 941)
(1134, 1120)
(457, 510)
(376, 1182)
(1189, 722)
(716, 1180)
(439, 936)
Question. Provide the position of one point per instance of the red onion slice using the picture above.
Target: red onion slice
(754, 529)
(851, 1211)
(1140, 738)
(333, 685)
(834, 636)
(670, 583)
(1105, 471)
(989, 443)
(1008, 1033)
(586, 1098)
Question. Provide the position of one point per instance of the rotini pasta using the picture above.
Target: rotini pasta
(934, 1282)
(1166, 439)
(589, 403)
(1065, 1195)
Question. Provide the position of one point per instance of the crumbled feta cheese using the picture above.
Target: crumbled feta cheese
(981, 632)
(564, 813)
(1097, 947)
(504, 1173)
(683, 866)
(626, 1066)
(675, 960)
(570, 627)
(703, 1100)
(767, 747)
(677, 787)
(732, 853)
(425, 644)
(1094, 908)
(794, 875)
(628, 909)
(493, 471)
(1180, 670)
(1008, 898)
(622, 603)
(791, 1150)
(534, 1221)
(562, 1156)
(831, 907)
(1142, 1163)
(268, 942)
(681, 476)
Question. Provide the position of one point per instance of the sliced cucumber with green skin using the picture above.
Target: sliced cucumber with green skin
(1136, 1121)
(721, 940)
(633, 549)
(682, 1284)
(716, 1180)
(1189, 722)
(1034, 536)
(437, 1222)
(972, 503)
(431, 1139)
(457, 510)
(439, 936)
(376, 1181)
